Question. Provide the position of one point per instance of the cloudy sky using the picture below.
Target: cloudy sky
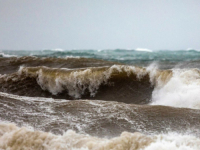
(99, 24)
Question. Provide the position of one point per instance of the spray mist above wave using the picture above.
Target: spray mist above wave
(182, 90)
(27, 139)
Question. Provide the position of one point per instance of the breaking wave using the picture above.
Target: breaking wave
(6, 55)
(176, 87)
(92, 83)
(182, 90)
(13, 138)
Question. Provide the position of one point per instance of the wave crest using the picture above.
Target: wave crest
(77, 82)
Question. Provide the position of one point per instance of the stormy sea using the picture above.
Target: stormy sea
(122, 99)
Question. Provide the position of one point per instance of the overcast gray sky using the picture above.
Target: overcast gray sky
(99, 24)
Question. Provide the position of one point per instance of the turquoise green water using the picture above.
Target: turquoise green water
(165, 58)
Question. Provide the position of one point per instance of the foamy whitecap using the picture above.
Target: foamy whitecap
(13, 138)
(77, 81)
(182, 90)
(78, 57)
(143, 50)
(6, 55)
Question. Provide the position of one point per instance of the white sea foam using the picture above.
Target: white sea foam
(13, 138)
(72, 57)
(182, 90)
(6, 55)
(57, 49)
(143, 50)
(189, 49)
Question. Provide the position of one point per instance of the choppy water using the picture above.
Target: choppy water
(167, 59)
(100, 99)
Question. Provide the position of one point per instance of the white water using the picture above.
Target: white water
(143, 50)
(13, 138)
(6, 55)
(182, 90)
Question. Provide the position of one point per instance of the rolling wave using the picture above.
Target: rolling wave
(129, 84)
(93, 83)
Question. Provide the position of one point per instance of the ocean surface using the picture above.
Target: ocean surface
(99, 99)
